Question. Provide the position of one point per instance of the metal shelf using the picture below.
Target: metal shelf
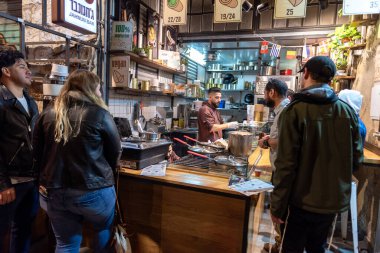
(235, 71)
(137, 92)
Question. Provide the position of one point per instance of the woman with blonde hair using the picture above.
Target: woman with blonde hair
(77, 147)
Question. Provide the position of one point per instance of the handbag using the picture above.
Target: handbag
(120, 241)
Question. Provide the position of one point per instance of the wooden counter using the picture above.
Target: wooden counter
(187, 212)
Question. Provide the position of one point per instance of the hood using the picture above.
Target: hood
(316, 94)
(352, 97)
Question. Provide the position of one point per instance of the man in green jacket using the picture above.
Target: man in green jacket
(319, 147)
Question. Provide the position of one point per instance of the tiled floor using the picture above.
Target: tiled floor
(264, 236)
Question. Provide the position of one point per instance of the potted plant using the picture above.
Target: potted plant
(340, 40)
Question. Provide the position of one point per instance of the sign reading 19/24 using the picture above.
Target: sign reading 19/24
(227, 16)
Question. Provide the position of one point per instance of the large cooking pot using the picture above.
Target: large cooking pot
(240, 143)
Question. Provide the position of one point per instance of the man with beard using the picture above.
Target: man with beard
(210, 123)
(18, 184)
(275, 94)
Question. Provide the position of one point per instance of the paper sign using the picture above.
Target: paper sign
(227, 11)
(175, 12)
(120, 71)
(252, 186)
(355, 7)
(290, 55)
(290, 9)
(122, 35)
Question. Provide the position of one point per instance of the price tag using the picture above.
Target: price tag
(354, 7)
(227, 11)
(175, 12)
(285, 9)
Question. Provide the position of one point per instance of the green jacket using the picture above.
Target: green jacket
(319, 147)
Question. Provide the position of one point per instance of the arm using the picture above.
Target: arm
(286, 162)
(357, 144)
(111, 140)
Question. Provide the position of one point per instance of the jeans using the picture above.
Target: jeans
(17, 217)
(306, 230)
(68, 208)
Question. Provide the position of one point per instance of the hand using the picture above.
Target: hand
(7, 196)
(276, 220)
(261, 141)
(233, 124)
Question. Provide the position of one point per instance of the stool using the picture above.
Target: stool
(354, 218)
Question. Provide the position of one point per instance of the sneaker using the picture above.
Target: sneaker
(275, 247)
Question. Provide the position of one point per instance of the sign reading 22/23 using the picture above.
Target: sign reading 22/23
(227, 16)
(174, 19)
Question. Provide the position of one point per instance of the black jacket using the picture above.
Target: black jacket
(319, 147)
(16, 125)
(86, 161)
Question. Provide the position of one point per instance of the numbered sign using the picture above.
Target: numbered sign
(290, 9)
(122, 35)
(355, 7)
(175, 12)
(227, 11)
(119, 69)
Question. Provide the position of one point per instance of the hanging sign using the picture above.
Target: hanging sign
(119, 69)
(290, 9)
(227, 11)
(175, 12)
(264, 47)
(77, 15)
(355, 7)
(122, 35)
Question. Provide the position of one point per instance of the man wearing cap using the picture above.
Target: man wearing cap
(318, 148)
(210, 123)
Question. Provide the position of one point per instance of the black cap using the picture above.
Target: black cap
(322, 66)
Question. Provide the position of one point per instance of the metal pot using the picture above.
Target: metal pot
(240, 143)
(149, 136)
(267, 70)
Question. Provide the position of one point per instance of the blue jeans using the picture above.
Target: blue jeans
(17, 217)
(68, 208)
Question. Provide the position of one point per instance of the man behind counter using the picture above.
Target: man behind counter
(210, 123)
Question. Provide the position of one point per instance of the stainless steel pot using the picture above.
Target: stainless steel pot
(240, 143)
(149, 136)
(267, 70)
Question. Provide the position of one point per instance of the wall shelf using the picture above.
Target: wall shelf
(146, 62)
(137, 92)
(234, 71)
(357, 47)
(344, 77)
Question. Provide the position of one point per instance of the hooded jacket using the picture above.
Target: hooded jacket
(319, 147)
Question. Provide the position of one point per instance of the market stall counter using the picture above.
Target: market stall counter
(189, 211)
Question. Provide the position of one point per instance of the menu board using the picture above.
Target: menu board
(175, 12)
(290, 9)
(355, 7)
(227, 11)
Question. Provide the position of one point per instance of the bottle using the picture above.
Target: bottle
(181, 121)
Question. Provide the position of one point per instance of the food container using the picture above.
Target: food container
(150, 135)
(240, 143)
(145, 85)
(134, 83)
(286, 72)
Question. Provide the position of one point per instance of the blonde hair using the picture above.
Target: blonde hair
(84, 83)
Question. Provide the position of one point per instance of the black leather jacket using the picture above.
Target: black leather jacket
(16, 125)
(86, 161)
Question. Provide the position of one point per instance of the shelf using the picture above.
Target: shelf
(50, 61)
(344, 77)
(137, 92)
(356, 47)
(234, 71)
(146, 62)
(235, 90)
